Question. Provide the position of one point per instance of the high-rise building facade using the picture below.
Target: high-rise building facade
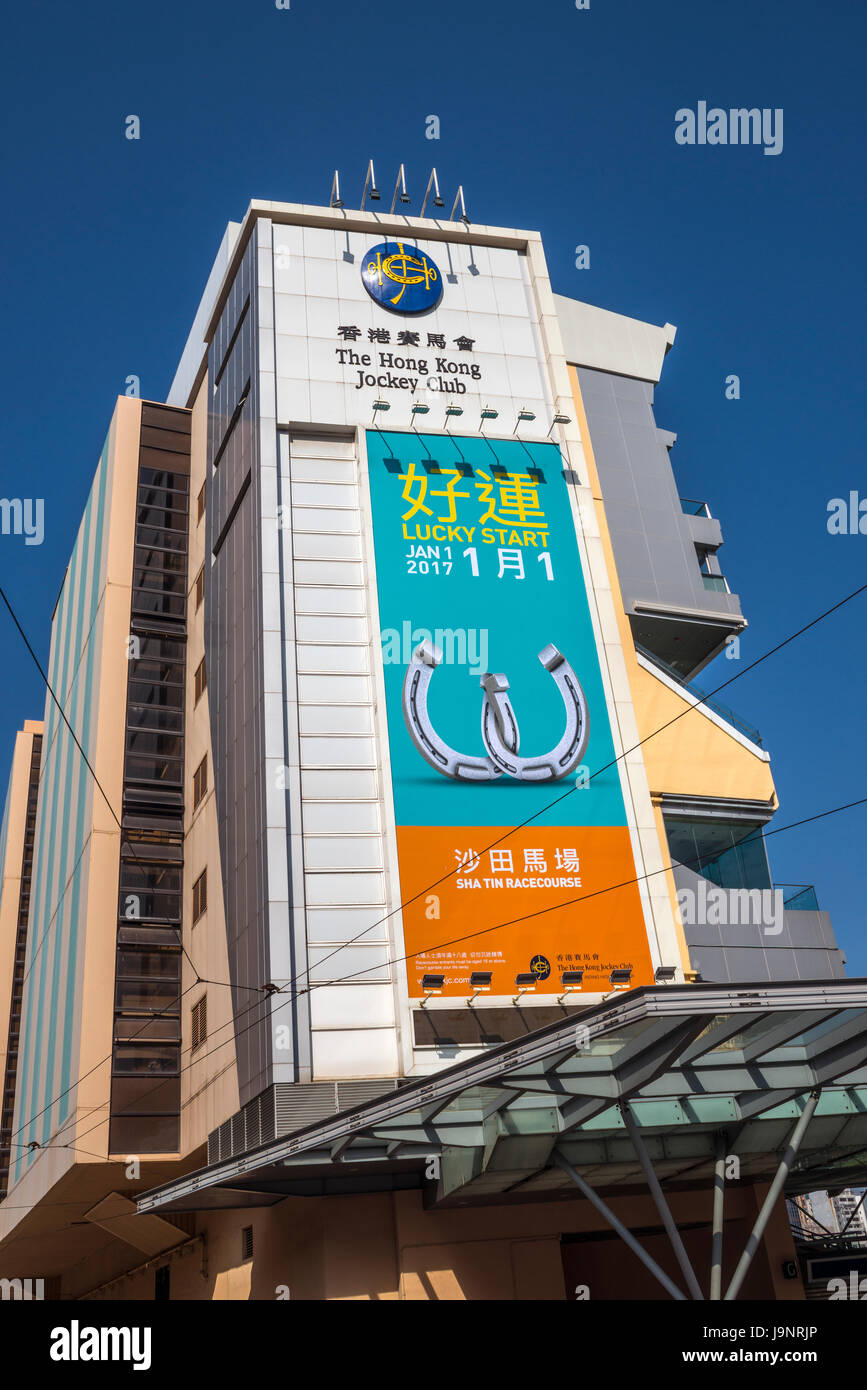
(381, 792)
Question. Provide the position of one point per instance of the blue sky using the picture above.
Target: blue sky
(552, 118)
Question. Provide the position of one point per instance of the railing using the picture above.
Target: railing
(690, 507)
(728, 714)
(716, 583)
(799, 897)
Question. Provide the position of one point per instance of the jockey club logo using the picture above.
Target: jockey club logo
(401, 278)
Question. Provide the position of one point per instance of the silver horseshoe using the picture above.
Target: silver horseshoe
(446, 760)
(562, 759)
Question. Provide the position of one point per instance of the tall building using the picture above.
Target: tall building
(848, 1208)
(399, 904)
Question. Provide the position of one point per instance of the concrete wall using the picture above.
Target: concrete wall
(388, 1247)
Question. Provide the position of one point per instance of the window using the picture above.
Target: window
(200, 895)
(200, 588)
(731, 854)
(247, 1243)
(200, 504)
(200, 1021)
(200, 781)
(200, 680)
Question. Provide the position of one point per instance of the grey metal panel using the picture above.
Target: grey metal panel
(641, 496)
(737, 952)
(233, 620)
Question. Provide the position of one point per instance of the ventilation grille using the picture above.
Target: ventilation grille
(285, 1108)
(199, 1022)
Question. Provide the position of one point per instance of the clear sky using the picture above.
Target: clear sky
(553, 118)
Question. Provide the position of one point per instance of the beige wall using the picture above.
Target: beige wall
(10, 873)
(209, 1085)
(387, 1247)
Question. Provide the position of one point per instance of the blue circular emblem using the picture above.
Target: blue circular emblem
(401, 278)
(541, 967)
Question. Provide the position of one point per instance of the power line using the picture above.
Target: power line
(612, 763)
(555, 907)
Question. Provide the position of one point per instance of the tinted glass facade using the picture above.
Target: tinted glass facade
(146, 1058)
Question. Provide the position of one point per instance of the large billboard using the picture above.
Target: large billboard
(508, 802)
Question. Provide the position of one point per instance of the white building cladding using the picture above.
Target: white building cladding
(300, 750)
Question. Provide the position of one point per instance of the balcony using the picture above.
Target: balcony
(690, 507)
(724, 711)
(799, 897)
(743, 938)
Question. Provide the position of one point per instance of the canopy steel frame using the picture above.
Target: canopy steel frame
(625, 1234)
(771, 1196)
(661, 1204)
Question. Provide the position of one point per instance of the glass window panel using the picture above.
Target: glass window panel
(147, 995)
(167, 540)
(158, 580)
(156, 648)
(143, 768)
(161, 877)
(157, 604)
(163, 518)
(731, 854)
(164, 498)
(159, 672)
(162, 965)
(161, 477)
(149, 1058)
(142, 1095)
(150, 1134)
(155, 717)
(148, 1029)
(149, 904)
(154, 742)
(154, 695)
(134, 935)
(174, 560)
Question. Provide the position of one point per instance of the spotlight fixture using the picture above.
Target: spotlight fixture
(419, 408)
(432, 183)
(454, 410)
(560, 420)
(488, 414)
(459, 203)
(370, 187)
(480, 983)
(400, 189)
(523, 414)
(336, 200)
(379, 405)
(571, 980)
(432, 984)
(621, 977)
(665, 974)
(525, 983)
